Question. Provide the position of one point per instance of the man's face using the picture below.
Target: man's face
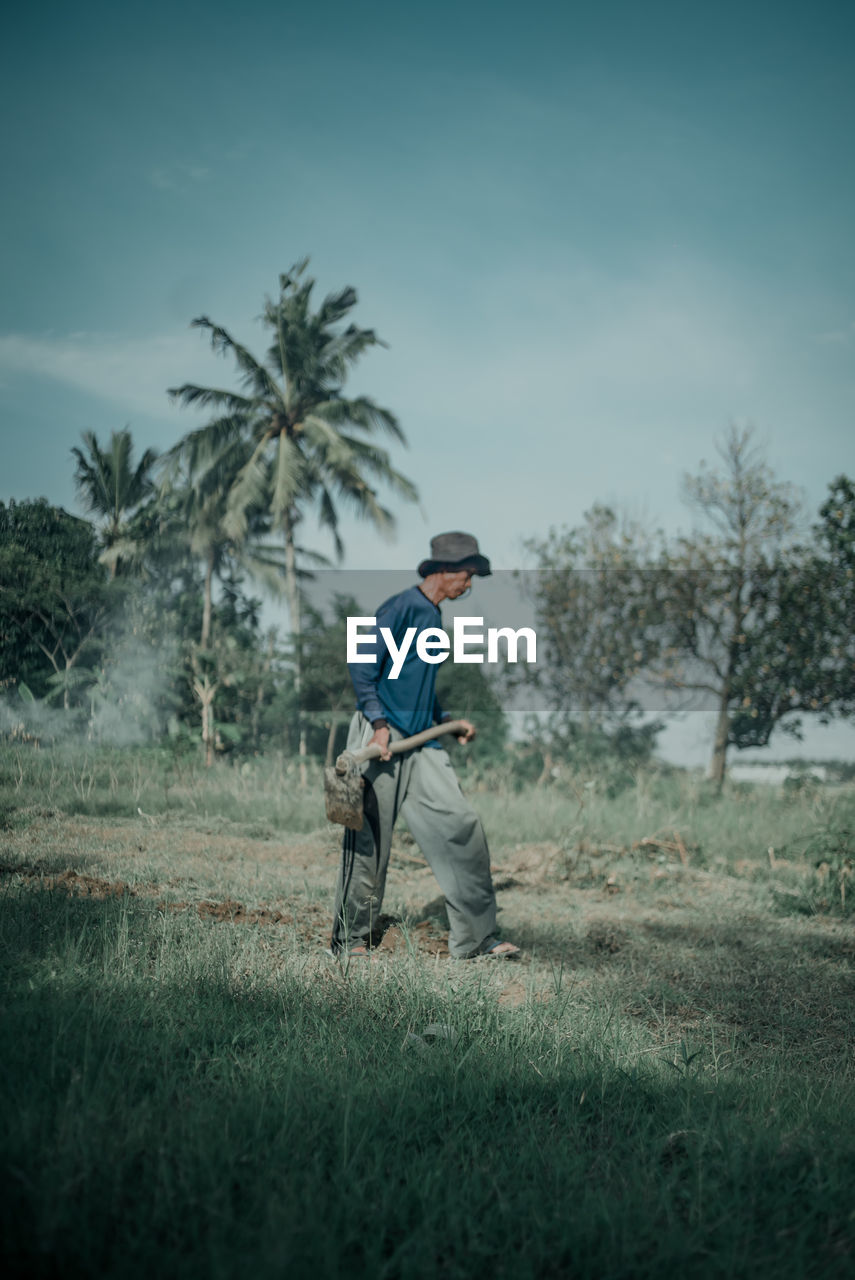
(455, 582)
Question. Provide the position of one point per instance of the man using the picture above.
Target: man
(420, 783)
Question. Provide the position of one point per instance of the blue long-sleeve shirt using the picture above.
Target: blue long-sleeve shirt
(409, 702)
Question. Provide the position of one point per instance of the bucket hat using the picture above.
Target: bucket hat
(454, 551)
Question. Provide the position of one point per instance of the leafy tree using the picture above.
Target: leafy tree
(715, 609)
(307, 440)
(834, 670)
(112, 488)
(55, 600)
(593, 596)
(804, 660)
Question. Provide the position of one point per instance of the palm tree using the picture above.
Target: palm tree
(112, 488)
(290, 440)
(193, 509)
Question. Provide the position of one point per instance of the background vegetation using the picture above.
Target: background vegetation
(143, 623)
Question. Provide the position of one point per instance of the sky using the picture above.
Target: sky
(592, 238)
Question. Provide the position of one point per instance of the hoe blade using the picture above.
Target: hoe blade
(343, 793)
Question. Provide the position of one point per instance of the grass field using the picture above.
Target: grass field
(192, 1087)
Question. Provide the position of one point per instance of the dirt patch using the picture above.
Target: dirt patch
(81, 885)
(233, 912)
(76, 883)
(312, 922)
(237, 913)
(84, 886)
(422, 937)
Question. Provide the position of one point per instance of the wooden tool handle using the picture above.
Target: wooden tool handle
(404, 744)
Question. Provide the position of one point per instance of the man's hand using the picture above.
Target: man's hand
(469, 732)
(380, 737)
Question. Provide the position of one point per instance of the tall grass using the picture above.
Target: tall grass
(187, 1100)
(666, 1082)
(157, 782)
(265, 794)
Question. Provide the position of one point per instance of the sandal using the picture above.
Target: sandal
(501, 951)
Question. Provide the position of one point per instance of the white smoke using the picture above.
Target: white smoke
(127, 702)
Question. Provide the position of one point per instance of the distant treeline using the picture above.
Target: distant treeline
(144, 622)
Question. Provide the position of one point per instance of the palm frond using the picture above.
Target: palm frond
(328, 518)
(189, 393)
(351, 488)
(279, 355)
(360, 412)
(210, 485)
(90, 479)
(288, 280)
(313, 557)
(334, 447)
(253, 373)
(249, 488)
(364, 505)
(335, 306)
(286, 482)
(120, 454)
(346, 347)
(142, 483)
(268, 572)
(199, 448)
(376, 462)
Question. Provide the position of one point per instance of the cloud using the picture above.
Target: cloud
(133, 373)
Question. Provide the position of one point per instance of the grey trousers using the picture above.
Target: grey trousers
(423, 786)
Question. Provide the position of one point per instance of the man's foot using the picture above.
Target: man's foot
(502, 950)
(359, 952)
